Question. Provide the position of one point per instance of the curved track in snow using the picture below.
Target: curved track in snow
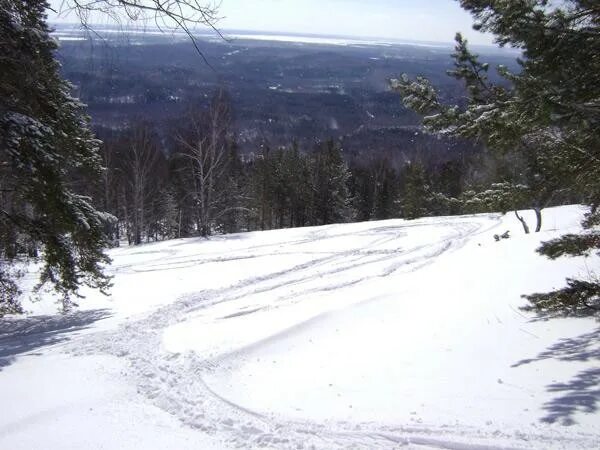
(179, 355)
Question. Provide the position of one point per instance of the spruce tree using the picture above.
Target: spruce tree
(262, 182)
(331, 177)
(362, 191)
(386, 192)
(45, 143)
(230, 218)
(549, 112)
(415, 191)
(301, 187)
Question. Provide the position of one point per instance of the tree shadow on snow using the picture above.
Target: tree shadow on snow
(582, 392)
(20, 336)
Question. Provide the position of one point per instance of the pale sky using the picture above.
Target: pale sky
(423, 20)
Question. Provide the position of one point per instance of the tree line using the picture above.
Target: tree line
(189, 179)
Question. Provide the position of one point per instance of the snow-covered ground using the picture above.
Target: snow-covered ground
(371, 335)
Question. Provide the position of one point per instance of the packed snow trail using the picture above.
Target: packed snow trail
(346, 336)
(176, 382)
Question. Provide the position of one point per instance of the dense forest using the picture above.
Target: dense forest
(191, 179)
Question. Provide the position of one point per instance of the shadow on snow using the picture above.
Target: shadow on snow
(582, 392)
(20, 336)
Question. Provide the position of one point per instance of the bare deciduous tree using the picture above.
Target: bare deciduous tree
(184, 15)
(140, 162)
(204, 145)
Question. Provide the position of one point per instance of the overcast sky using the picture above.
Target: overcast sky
(425, 20)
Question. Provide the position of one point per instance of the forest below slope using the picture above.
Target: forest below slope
(270, 134)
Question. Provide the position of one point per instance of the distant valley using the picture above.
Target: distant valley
(282, 88)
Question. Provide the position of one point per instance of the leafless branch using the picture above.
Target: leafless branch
(183, 15)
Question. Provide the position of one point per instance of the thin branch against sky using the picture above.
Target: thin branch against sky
(433, 20)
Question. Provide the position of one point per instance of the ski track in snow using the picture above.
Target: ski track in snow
(176, 382)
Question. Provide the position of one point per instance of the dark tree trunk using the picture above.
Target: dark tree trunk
(525, 226)
(538, 217)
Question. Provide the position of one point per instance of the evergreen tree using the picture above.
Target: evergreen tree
(549, 112)
(301, 187)
(415, 191)
(282, 187)
(331, 176)
(231, 217)
(362, 191)
(45, 142)
(502, 197)
(447, 178)
(261, 187)
(386, 192)
(166, 215)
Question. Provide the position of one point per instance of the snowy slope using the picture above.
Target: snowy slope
(371, 335)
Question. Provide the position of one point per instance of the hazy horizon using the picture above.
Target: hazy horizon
(436, 21)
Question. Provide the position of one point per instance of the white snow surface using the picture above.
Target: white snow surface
(390, 334)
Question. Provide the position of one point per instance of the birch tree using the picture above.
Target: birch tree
(204, 146)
